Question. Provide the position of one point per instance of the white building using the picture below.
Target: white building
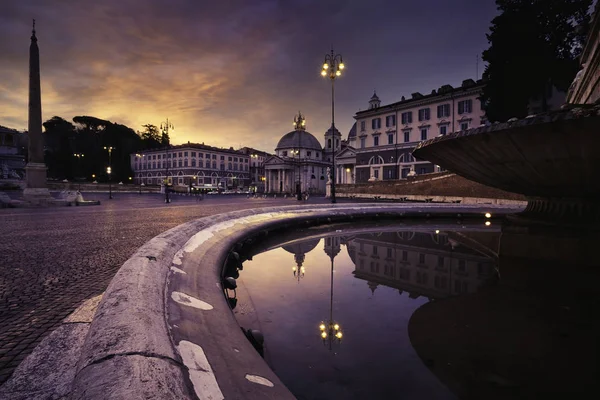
(387, 135)
(192, 164)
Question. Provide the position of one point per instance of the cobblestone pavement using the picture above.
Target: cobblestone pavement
(53, 259)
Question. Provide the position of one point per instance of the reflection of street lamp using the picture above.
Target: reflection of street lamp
(298, 272)
(330, 330)
(165, 126)
(332, 68)
(109, 169)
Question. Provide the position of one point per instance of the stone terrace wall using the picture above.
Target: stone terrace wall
(436, 184)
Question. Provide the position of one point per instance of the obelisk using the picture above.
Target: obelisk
(36, 189)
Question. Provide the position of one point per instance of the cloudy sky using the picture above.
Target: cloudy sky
(233, 72)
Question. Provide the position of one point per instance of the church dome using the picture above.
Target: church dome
(352, 133)
(299, 139)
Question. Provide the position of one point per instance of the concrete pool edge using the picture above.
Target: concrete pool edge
(133, 347)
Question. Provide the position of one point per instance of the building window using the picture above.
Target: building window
(376, 123)
(308, 153)
(179, 154)
(443, 130)
(193, 162)
(375, 250)
(464, 126)
(424, 134)
(214, 156)
(362, 142)
(229, 166)
(201, 155)
(376, 141)
(376, 173)
(390, 120)
(390, 172)
(285, 153)
(180, 162)
(404, 255)
(193, 154)
(328, 143)
(424, 114)
(406, 136)
(390, 138)
(422, 171)
(421, 258)
(407, 117)
(443, 110)
(185, 162)
(185, 153)
(362, 126)
(465, 106)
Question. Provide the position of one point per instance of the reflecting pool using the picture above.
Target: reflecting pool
(422, 312)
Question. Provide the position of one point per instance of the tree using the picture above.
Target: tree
(59, 146)
(534, 45)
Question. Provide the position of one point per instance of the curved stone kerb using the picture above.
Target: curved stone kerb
(131, 317)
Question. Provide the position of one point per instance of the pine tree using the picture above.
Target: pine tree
(534, 45)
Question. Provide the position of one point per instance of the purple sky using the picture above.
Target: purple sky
(233, 72)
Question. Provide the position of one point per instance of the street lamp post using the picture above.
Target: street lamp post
(165, 126)
(332, 68)
(109, 169)
(79, 157)
(141, 159)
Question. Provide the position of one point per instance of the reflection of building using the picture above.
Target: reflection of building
(193, 164)
(299, 250)
(12, 159)
(420, 263)
(387, 135)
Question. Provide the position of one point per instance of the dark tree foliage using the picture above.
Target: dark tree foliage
(534, 45)
(88, 137)
(151, 136)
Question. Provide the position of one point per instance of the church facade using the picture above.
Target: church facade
(299, 163)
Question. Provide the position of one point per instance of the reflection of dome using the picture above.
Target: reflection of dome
(299, 139)
(352, 133)
(372, 286)
(301, 247)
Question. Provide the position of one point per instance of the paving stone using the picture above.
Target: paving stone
(58, 258)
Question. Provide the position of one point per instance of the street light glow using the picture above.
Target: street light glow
(322, 327)
(488, 215)
(342, 66)
(338, 72)
(325, 66)
(323, 73)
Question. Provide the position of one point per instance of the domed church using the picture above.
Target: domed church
(298, 164)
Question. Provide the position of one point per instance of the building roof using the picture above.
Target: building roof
(417, 98)
(195, 146)
(299, 139)
(251, 150)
